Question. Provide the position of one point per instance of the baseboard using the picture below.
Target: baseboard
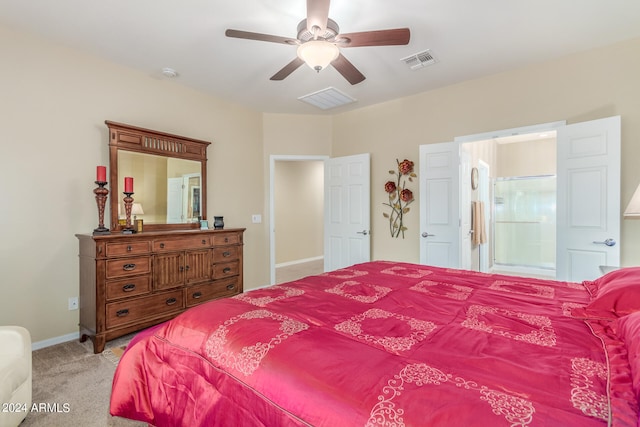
(299, 261)
(55, 340)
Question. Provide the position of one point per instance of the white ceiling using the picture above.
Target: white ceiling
(469, 38)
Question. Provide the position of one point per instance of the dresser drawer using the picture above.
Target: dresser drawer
(226, 269)
(138, 309)
(220, 288)
(130, 248)
(137, 285)
(225, 254)
(128, 266)
(225, 239)
(181, 244)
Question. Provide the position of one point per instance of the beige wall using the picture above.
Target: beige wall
(586, 86)
(529, 158)
(299, 202)
(55, 101)
(52, 111)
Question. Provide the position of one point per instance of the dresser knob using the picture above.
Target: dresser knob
(128, 287)
(161, 245)
(171, 301)
(230, 286)
(197, 295)
(226, 270)
(226, 240)
(204, 242)
(129, 248)
(129, 267)
(122, 313)
(226, 254)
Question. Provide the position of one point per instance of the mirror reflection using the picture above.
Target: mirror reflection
(167, 190)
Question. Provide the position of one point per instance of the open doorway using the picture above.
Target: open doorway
(518, 191)
(296, 217)
(587, 167)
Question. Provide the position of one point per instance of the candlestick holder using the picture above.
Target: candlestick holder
(101, 200)
(128, 203)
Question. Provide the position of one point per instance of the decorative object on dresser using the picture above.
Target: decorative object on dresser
(101, 198)
(218, 222)
(128, 204)
(129, 282)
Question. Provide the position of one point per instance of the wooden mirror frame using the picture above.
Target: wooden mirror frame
(131, 138)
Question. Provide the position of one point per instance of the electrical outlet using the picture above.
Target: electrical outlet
(73, 303)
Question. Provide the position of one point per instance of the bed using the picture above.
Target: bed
(394, 344)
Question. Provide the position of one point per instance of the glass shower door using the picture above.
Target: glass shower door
(525, 222)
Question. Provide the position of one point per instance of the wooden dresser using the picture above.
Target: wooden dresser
(129, 282)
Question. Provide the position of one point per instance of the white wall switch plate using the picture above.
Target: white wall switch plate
(256, 218)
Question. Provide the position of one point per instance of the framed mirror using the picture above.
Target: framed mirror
(169, 177)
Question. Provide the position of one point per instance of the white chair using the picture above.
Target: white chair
(15, 375)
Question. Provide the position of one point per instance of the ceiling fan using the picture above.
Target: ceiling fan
(319, 40)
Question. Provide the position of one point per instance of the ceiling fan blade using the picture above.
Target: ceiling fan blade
(348, 70)
(287, 69)
(317, 15)
(260, 37)
(397, 36)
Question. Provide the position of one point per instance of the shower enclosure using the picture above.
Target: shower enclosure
(525, 223)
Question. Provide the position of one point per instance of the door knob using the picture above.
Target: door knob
(365, 232)
(608, 242)
(425, 234)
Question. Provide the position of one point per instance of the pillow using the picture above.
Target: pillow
(628, 330)
(613, 295)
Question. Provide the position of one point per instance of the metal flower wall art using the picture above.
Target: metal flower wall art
(400, 197)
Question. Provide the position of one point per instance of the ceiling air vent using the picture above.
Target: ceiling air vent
(419, 60)
(327, 98)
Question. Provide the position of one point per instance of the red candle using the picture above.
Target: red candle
(128, 184)
(101, 174)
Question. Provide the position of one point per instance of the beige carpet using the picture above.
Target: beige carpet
(75, 385)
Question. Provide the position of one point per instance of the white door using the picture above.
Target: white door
(484, 196)
(347, 213)
(174, 201)
(588, 199)
(465, 207)
(439, 205)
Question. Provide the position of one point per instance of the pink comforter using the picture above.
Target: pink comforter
(377, 344)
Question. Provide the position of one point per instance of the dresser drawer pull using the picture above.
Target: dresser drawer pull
(226, 240)
(187, 268)
(122, 313)
(204, 242)
(226, 254)
(129, 267)
(161, 245)
(226, 270)
(171, 301)
(129, 248)
(197, 295)
(230, 286)
(129, 287)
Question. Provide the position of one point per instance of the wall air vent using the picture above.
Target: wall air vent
(327, 98)
(420, 60)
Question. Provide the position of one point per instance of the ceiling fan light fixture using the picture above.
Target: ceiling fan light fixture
(317, 54)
